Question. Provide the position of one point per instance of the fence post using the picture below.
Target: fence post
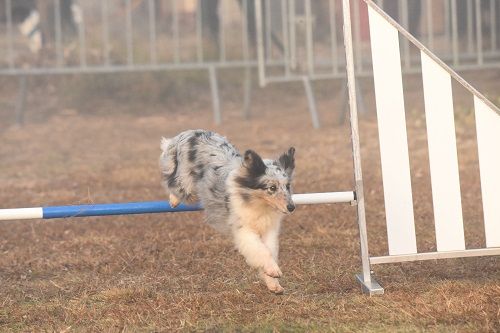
(311, 101)
(247, 92)
(214, 88)
(260, 43)
(21, 100)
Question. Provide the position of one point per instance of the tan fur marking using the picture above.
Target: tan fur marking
(174, 201)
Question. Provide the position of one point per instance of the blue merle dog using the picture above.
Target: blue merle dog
(244, 196)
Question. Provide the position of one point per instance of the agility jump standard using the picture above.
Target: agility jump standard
(441, 138)
(148, 207)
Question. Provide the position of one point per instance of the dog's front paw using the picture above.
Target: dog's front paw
(272, 269)
(272, 284)
(275, 286)
(278, 290)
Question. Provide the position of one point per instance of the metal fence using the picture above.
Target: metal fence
(112, 36)
(289, 40)
(464, 33)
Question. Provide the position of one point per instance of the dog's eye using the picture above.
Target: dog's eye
(272, 188)
(288, 187)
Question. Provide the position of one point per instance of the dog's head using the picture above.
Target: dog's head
(267, 181)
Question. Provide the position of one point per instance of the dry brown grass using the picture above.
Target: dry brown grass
(170, 272)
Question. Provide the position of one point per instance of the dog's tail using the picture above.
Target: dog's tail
(166, 156)
(164, 144)
(168, 163)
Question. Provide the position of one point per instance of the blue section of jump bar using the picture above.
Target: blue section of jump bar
(116, 209)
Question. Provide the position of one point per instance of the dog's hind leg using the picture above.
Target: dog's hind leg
(174, 201)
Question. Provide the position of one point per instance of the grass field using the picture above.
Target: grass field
(170, 272)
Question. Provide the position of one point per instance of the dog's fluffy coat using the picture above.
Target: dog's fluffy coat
(245, 196)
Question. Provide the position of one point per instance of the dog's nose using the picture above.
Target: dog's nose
(290, 207)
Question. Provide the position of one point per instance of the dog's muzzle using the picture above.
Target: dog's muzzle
(290, 207)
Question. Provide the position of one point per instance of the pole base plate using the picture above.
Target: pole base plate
(373, 288)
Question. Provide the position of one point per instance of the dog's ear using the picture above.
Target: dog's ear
(287, 161)
(253, 162)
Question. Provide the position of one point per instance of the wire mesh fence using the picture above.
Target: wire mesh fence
(464, 33)
(123, 35)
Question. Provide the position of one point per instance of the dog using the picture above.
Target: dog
(245, 196)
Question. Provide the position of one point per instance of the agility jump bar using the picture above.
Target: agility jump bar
(147, 207)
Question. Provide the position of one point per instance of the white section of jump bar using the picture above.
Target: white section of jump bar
(21, 213)
(299, 199)
(323, 198)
